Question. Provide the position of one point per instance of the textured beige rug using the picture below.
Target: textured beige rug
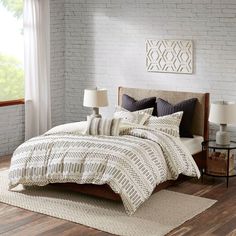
(163, 212)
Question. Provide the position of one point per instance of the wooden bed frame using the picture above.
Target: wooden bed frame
(200, 127)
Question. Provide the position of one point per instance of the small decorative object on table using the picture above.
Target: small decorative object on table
(95, 98)
(220, 160)
(223, 113)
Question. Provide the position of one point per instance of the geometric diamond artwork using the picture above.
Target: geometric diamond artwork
(170, 56)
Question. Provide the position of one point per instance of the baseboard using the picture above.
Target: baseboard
(5, 158)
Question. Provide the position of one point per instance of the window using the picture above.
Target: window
(11, 50)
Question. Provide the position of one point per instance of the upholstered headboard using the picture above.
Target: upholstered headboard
(200, 120)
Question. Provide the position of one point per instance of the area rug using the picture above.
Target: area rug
(163, 212)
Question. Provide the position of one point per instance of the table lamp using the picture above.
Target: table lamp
(95, 98)
(223, 113)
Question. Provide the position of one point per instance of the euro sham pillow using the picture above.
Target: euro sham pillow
(136, 117)
(168, 124)
(187, 106)
(132, 104)
(101, 126)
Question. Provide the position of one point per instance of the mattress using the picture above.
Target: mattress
(194, 144)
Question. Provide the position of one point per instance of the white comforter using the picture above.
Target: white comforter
(132, 164)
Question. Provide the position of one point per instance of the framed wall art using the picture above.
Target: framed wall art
(170, 56)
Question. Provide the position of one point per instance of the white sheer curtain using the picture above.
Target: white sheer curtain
(37, 67)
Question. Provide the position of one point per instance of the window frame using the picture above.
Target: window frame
(12, 102)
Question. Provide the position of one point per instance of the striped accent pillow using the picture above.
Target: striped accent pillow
(137, 117)
(101, 126)
(168, 124)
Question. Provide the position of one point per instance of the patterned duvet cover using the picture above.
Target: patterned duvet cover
(132, 164)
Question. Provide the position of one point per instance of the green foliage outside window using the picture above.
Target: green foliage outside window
(11, 68)
(14, 6)
(11, 78)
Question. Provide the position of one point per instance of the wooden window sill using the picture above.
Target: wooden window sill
(12, 102)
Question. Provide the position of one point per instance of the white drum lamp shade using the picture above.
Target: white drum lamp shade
(223, 113)
(95, 98)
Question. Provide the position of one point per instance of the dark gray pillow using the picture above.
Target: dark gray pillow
(187, 106)
(131, 104)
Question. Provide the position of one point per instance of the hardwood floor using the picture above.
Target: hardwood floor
(219, 220)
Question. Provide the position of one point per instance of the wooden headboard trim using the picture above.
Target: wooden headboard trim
(206, 116)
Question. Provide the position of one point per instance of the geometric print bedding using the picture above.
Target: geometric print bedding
(168, 124)
(131, 164)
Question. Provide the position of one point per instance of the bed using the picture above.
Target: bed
(200, 130)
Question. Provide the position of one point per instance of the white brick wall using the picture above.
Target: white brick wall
(105, 46)
(57, 61)
(11, 128)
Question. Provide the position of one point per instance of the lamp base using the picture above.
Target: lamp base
(222, 136)
(96, 113)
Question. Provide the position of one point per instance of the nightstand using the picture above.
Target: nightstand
(220, 160)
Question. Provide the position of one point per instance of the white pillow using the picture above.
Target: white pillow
(168, 124)
(137, 117)
(147, 110)
(75, 127)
